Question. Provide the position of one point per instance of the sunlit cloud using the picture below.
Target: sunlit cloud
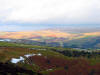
(50, 11)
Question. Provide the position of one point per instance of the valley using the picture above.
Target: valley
(55, 38)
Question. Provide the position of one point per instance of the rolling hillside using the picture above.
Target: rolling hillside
(54, 38)
(20, 59)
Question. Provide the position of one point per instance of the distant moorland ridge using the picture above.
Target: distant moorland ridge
(55, 38)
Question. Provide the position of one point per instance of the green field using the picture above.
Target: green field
(53, 54)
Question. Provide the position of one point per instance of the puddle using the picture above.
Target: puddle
(28, 55)
(14, 60)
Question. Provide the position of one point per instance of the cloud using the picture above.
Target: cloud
(50, 11)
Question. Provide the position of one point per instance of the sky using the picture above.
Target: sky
(16, 15)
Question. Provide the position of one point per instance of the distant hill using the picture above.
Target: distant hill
(54, 38)
(87, 42)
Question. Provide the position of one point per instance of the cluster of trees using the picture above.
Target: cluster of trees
(78, 53)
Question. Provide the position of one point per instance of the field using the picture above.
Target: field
(42, 60)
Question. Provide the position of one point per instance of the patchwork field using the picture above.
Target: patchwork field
(45, 34)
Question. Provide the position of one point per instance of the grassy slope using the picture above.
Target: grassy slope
(17, 50)
(13, 50)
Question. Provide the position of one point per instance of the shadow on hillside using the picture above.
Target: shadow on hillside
(10, 69)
